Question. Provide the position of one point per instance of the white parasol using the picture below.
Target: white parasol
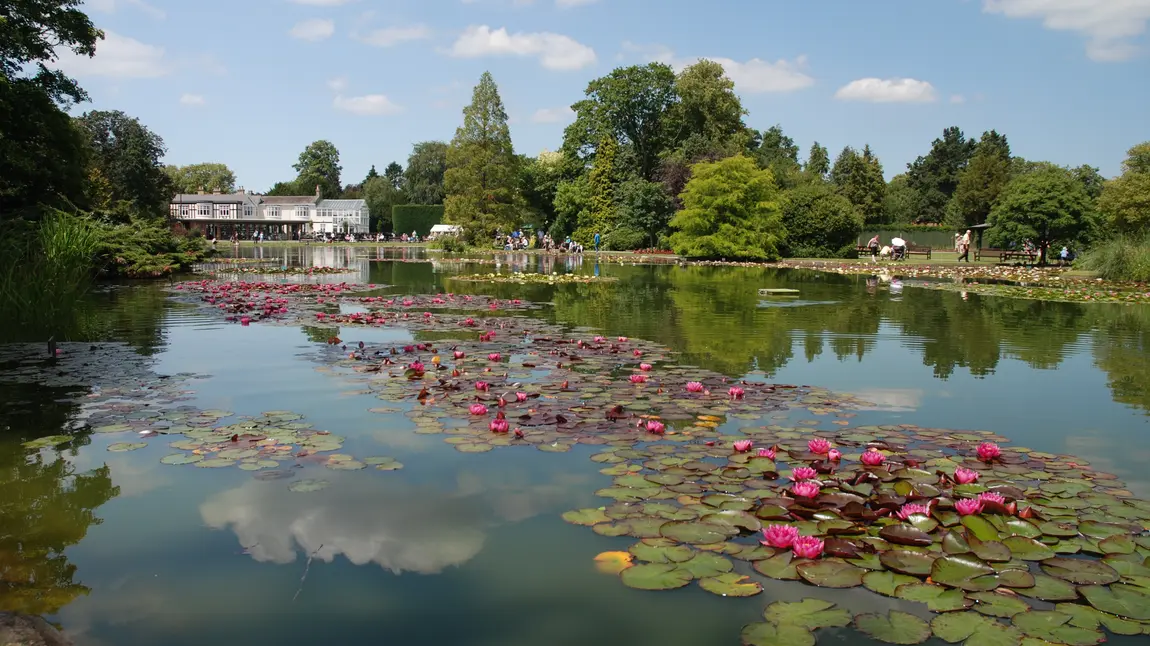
(897, 242)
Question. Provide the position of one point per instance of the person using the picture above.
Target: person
(898, 249)
(964, 247)
(596, 242)
(873, 245)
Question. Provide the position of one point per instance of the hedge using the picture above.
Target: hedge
(419, 218)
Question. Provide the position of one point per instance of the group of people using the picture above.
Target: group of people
(962, 246)
(896, 250)
(514, 241)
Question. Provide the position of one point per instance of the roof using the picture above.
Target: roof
(289, 200)
(215, 198)
(342, 204)
(439, 228)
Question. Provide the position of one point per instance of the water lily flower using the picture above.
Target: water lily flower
(520, 397)
(637, 353)
(968, 506)
(499, 426)
(427, 315)
(911, 509)
(519, 433)
(988, 451)
(638, 379)
(962, 475)
(470, 322)
(807, 547)
(779, 536)
(992, 496)
(416, 366)
(656, 427)
(244, 320)
(742, 446)
(834, 455)
(735, 392)
(478, 409)
(805, 489)
(494, 356)
(872, 457)
(819, 446)
(482, 386)
(767, 453)
(694, 387)
(804, 473)
(622, 339)
(645, 367)
(599, 339)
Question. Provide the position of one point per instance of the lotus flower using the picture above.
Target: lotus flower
(819, 446)
(872, 458)
(499, 426)
(834, 455)
(911, 509)
(962, 475)
(804, 473)
(968, 506)
(807, 547)
(735, 392)
(742, 446)
(656, 427)
(987, 451)
(767, 453)
(645, 367)
(805, 489)
(482, 386)
(694, 387)
(478, 409)
(520, 397)
(459, 354)
(992, 496)
(416, 366)
(638, 379)
(494, 356)
(779, 536)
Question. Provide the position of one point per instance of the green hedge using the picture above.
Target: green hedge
(419, 218)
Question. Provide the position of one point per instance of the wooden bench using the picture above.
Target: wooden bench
(911, 250)
(1005, 255)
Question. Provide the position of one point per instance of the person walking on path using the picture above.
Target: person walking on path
(596, 242)
(964, 246)
(873, 246)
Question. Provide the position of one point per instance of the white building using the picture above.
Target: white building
(277, 216)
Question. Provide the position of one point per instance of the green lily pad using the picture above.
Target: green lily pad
(667, 552)
(907, 562)
(996, 604)
(809, 614)
(215, 463)
(767, 634)
(1087, 617)
(585, 517)
(655, 576)
(1080, 571)
(694, 532)
(1055, 627)
(885, 583)
(1048, 588)
(1098, 530)
(181, 458)
(1117, 544)
(1059, 530)
(781, 567)
(121, 447)
(830, 573)
(991, 551)
(731, 584)
(1121, 600)
(49, 442)
(238, 454)
(936, 597)
(706, 564)
(302, 486)
(980, 527)
(1028, 549)
(345, 465)
(964, 571)
(894, 628)
(905, 534)
(974, 629)
(112, 428)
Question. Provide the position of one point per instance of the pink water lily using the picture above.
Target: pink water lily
(417, 366)
(807, 547)
(804, 473)
(656, 427)
(834, 455)
(245, 320)
(599, 339)
(622, 339)
(962, 475)
(499, 426)
(911, 509)
(872, 458)
(478, 409)
(988, 451)
(968, 506)
(992, 496)
(482, 386)
(767, 453)
(459, 354)
(805, 489)
(742, 446)
(779, 536)
(494, 356)
(645, 367)
(638, 379)
(694, 387)
(735, 392)
(520, 397)
(819, 446)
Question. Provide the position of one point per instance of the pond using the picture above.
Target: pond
(408, 521)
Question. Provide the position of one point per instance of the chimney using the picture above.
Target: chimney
(240, 190)
(317, 193)
(216, 191)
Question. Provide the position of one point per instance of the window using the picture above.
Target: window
(301, 212)
(173, 209)
(248, 211)
(205, 210)
(272, 212)
(224, 211)
(187, 210)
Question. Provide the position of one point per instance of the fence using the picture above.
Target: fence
(935, 239)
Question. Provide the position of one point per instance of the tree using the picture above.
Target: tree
(818, 162)
(201, 177)
(539, 179)
(820, 222)
(31, 32)
(934, 177)
(1090, 179)
(644, 211)
(1125, 200)
(859, 178)
(423, 178)
(294, 187)
(572, 203)
(370, 174)
(128, 155)
(1047, 206)
(481, 178)
(779, 153)
(600, 217)
(981, 181)
(394, 174)
(708, 105)
(318, 165)
(900, 201)
(380, 195)
(730, 210)
(635, 105)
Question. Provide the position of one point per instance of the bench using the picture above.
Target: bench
(1006, 255)
(911, 250)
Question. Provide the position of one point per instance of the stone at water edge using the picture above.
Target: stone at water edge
(27, 630)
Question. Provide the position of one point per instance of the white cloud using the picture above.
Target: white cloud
(338, 84)
(554, 51)
(552, 115)
(110, 6)
(1109, 25)
(192, 99)
(894, 90)
(755, 76)
(367, 105)
(314, 29)
(388, 36)
(116, 57)
(957, 98)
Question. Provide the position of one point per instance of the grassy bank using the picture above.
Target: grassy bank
(1122, 258)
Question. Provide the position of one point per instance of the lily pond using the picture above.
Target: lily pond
(306, 445)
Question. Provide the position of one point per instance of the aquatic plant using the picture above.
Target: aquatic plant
(694, 387)
(478, 409)
(819, 446)
(743, 446)
(735, 392)
(872, 457)
(962, 475)
(988, 451)
(779, 536)
(804, 473)
(638, 379)
(807, 547)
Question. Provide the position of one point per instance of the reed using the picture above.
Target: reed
(1125, 257)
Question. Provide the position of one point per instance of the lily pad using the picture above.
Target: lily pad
(885, 583)
(905, 534)
(1055, 627)
(907, 562)
(694, 532)
(997, 604)
(980, 527)
(894, 628)
(1121, 600)
(768, 634)
(1048, 588)
(936, 597)
(731, 584)
(1087, 617)
(301, 486)
(215, 463)
(706, 564)
(1028, 549)
(830, 573)
(661, 553)
(965, 572)
(585, 517)
(781, 567)
(655, 576)
(974, 629)
(809, 614)
(181, 458)
(121, 447)
(1080, 571)
(49, 442)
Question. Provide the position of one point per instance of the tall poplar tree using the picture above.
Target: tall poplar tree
(481, 178)
(981, 182)
(600, 218)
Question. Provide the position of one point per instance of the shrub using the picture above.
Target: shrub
(450, 244)
(419, 218)
(819, 223)
(1120, 258)
(145, 248)
(624, 239)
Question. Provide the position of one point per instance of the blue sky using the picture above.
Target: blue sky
(251, 82)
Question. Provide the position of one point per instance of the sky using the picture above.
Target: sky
(250, 83)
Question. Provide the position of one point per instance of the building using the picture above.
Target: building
(278, 217)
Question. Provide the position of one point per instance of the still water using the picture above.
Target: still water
(460, 548)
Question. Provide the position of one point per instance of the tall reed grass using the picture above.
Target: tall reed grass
(1125, 257)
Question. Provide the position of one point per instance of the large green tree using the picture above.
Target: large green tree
(1046, 206)
(935, 176)
(1125, 200)
(423, 177)
(981, 181)
(126, 154)
(644, 211)
(818, 162)
(394, 174)
(778, 152)
(900, 201)
(859, 178)
(539, 179)
(318, 165)
(482, 171)
(820, 222)
(207, 176)
(730, 210)
(708, 105)
(31, 32)
(601, 216)
(380, 195)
